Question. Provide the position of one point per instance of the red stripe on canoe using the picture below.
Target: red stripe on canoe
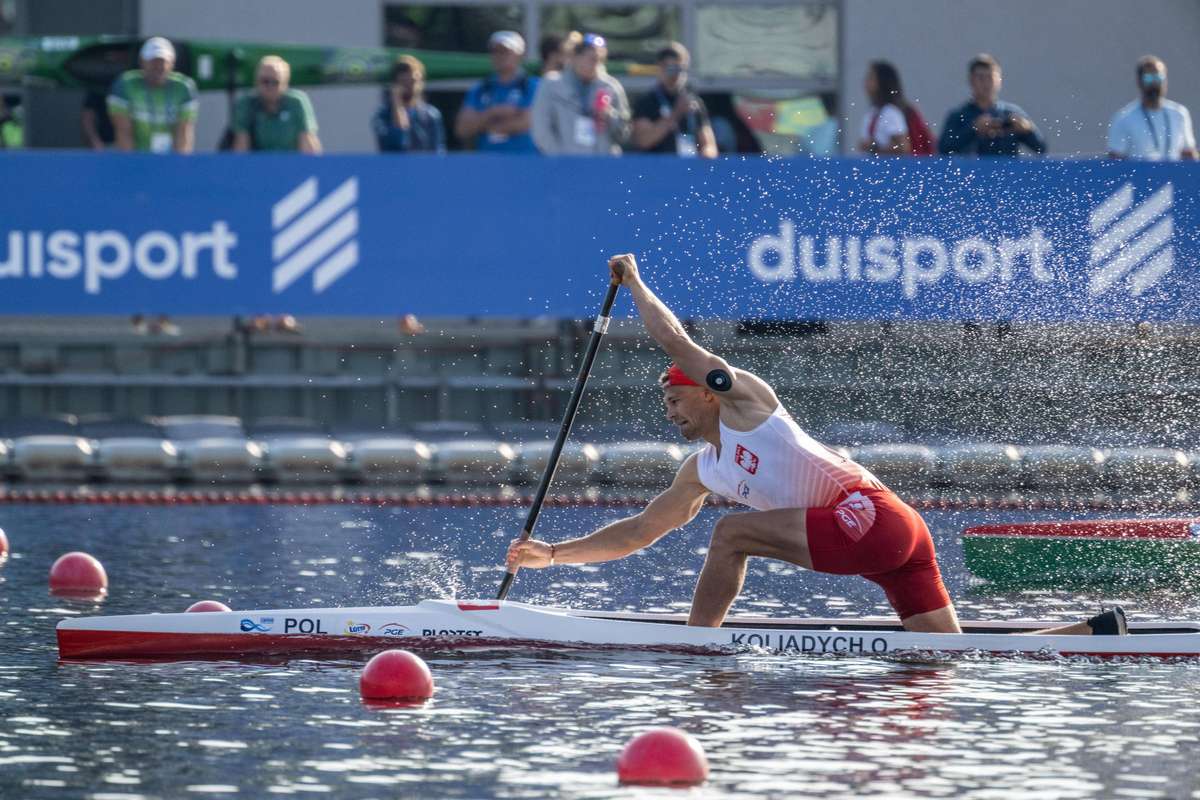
(140, 645)
(1095, 529)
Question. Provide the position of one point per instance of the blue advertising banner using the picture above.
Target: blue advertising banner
(861, 239)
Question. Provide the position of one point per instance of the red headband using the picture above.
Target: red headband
(677, 377)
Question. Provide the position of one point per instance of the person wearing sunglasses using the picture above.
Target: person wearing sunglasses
(153, 109)
(582, 110)
(274, 116)
(1152, 128)
(672, 118)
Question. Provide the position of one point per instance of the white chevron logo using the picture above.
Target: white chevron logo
(1134, 243)
(314, 235)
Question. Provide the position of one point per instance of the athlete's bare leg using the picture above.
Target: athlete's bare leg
(943, 620)
(779, 534)
(783, 535)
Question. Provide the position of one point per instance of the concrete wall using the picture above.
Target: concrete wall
(342, 113)
(1068, 63)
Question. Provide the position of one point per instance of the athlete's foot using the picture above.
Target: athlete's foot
(1109, 623)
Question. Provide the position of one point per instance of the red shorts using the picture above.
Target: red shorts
(875, 534)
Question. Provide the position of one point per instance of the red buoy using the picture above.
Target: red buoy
(396, 675)
(663, 757)
(78, 574)
(207, 605)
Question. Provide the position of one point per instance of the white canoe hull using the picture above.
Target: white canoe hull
(450, 624)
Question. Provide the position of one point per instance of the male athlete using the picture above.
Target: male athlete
(812, 507)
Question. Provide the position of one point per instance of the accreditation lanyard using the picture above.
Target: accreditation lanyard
(1166, 150)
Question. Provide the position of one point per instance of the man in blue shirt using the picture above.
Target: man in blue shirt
(406, 123)
(495, 114)
(986, 125)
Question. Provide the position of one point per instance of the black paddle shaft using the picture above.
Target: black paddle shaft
(598, 330)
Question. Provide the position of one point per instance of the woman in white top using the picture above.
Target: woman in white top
(884, 128)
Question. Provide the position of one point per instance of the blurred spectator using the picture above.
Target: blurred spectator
(405, 123)
(98, 133)
(556, 49)
(986, 125)
(410, 325)
(153, 109)
(12, 126)
(672, 118)
(894, 126)
(583, 109)
(275, 116)
(1152, 128)
(495, 113)
(286, 323)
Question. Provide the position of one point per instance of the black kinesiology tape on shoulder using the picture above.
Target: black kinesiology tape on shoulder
(719, 380)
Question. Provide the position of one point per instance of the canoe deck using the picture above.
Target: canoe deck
(453, 625)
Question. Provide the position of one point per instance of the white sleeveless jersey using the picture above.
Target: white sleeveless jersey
(778, 465)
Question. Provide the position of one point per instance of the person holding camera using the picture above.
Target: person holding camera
(672, 118)
(987, 125)
(406, 123)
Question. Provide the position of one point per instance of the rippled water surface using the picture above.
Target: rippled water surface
(547, 724)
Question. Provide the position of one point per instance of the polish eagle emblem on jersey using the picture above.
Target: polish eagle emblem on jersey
(745, 459)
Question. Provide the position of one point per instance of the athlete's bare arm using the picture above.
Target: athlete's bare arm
(745, 398)
(672, 509)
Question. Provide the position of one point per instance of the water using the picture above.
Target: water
(540, 724)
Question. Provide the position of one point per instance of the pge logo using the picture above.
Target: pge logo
(311, 235)
(1131, 243)
(855, 515)
(393, 629)
(746, 460)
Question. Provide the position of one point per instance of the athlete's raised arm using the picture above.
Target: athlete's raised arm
(674, 508)
(732, 386)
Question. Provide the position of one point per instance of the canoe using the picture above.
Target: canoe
(453, 624)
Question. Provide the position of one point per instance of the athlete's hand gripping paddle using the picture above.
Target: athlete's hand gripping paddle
(599, 328)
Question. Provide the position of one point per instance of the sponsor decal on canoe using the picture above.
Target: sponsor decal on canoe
(262, 626)
(812, 643)
(357, 628)
(303, 625)
(445, 632)
(393, 629)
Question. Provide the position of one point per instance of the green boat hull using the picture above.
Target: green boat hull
(92, 62)
(1050, 561)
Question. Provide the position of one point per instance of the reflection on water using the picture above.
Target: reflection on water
(540, 723)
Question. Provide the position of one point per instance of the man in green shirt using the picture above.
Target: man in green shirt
(153, 109)
(275, 117)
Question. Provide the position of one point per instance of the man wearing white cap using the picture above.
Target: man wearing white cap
(153, 109)
(495, 113)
